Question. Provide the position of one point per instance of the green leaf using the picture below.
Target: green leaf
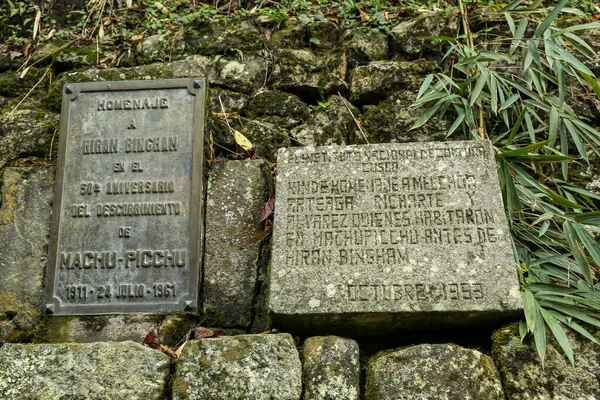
(483, 75)
(589, 218)
(551, 16)
(539, 336)
(530, 308)
(592, 82)
(425, 85)
(518, 35)
(509, 101)
(580, 27)
(553, 126)
(588, 242)
(577, 252)
(559, 334)
(457, 122)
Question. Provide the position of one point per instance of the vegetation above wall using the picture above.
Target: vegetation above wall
(498, 81)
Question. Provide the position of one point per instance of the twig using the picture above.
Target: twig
(354, 118)
(27, 95)
(51, 143)
(272, 130)
(225, 114)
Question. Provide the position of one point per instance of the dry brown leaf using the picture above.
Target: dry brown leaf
(15, 54)
(364, 17)
(151, 340)
(266, 210)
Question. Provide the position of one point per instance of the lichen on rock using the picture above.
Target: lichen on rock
(245, 367)
(525, 378)
(427, 371)
(83, 371)
(392, 119)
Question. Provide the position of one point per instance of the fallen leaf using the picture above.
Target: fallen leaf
(151, 341)
(242, 140)
(266, 210)
(15, 54)
(364, 17)
(36, 23)
(219, 333)
(24, 73)
(202, 333)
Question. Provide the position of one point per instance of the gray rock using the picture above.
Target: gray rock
(309, 77)
(193, 67)
(410, 36)
(279, 108)
(324, 35)
(331, 369)
(28, 132)
(524, 377)
(332, 123)
(245, 367)
(246, 74)
(225, 37)
(438, 371)
(236, 192)
(392, 236)
(83, 371)
(233, 102)
(292, 34)
(364, 45)
(372, 83)
(266, 137)
(160, 48)
(105, 328)
(24, 228)
(392, 119)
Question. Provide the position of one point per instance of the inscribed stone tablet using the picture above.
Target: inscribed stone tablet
(409, 235)
(127, 218)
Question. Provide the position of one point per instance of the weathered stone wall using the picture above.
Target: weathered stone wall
(278, 88)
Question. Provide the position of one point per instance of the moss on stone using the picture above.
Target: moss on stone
(225, 37)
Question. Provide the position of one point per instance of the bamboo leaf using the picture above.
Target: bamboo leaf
(551, 16)
(588, 242)
(591, 218)
(559, 334)
(553, 126)
(577, 252)
(425, 85)
(529, 308)
(483, 75)
(539, 336)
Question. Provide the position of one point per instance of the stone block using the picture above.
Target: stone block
(369, 84)
(393, 235)
(24, 228)
(433, 371)
(331, 369)
(525, 378)
(236, 192)
(245, 367)
(84, 371)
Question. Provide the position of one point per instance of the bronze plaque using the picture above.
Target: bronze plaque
(127, 220)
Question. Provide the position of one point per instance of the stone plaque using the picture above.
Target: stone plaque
(127, 220)
(402, 234)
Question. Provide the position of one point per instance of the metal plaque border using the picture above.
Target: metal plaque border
(197, 88)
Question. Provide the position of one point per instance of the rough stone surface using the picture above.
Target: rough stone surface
(105, 328)
(27, 132)
(331, 369)
(524, 377)
(246, 74)
(227, 36)
(266, 137)
(410, 37)
(439, 371)
(332, 123)
(324, 35)
(159, 48)
(24, 226)
(393, 235)
(279, 108)
(83, 371)
(191, 68)
(364, 45)
(372, 83)
(233, 102)
(245, 367)
(236, 192)
(292, 34)
(309, 77)
(392, 119)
